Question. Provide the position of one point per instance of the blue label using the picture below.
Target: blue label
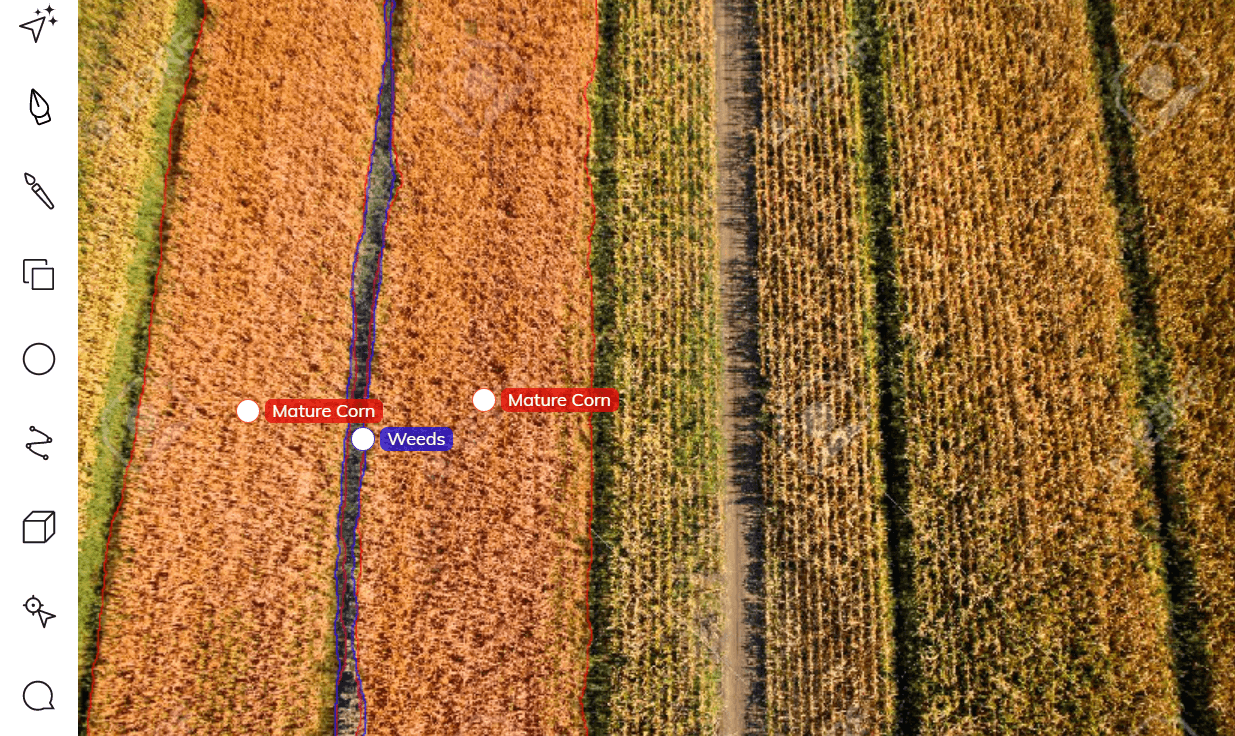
(417, 438)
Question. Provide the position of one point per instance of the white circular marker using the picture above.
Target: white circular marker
(483, 399)
(362, 439)
(247, 410)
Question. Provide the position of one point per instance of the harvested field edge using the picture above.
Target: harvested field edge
(1156, 396)
(382, 184)
(140, 345)
(115, 428)
(877, 150)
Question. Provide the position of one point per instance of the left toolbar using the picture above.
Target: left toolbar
(38, 363)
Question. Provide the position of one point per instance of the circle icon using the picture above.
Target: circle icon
(247, 410)
(37, 696)
(362, 439)
(39, 359)
(483, 399)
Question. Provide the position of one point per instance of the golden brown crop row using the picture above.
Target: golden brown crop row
(1184, 144)
(473, 569)
(1038, 601)
(219, 604)
(828, 606)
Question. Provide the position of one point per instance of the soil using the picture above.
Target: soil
(737, 117)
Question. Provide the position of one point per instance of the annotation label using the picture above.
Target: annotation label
(417, 439)
(312, 411)
(560, 399)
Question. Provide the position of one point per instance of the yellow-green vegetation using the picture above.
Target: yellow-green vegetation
(655, 587)
(828, 603)
(1176, 99)
(132, 65)
(1038, 603)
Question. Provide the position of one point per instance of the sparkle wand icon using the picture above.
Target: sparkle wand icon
(37, 188)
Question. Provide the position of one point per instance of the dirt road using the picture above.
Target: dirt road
(737, 117)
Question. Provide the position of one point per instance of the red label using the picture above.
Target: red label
(317, 411)
(560, 399)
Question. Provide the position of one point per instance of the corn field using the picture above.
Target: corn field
(655, 583)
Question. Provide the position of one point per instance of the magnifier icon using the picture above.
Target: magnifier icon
(35, 606)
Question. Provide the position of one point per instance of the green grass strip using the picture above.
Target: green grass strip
(876, 156)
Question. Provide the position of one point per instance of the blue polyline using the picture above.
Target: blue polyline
(385, 109)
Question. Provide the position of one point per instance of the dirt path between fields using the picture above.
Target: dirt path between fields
(737, 117)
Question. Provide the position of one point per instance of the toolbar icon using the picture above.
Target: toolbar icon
(37, 696)
(45, 441)
(37, 188)
(35, 607)
(39, 109)
(39, 358)
(38, 527)
(40, 278)
(35, 25)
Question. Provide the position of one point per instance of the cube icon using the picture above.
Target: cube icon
(38, 527)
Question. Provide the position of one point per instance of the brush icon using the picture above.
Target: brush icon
(37, 188)
(39, 107)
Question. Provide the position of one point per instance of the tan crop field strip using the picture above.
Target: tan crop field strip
(1184, 143)
(219, 598)
(474, 561)
(829, 620)
(655, 664)
(1038, 602)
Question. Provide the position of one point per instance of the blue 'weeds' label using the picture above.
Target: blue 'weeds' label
(417, 438)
